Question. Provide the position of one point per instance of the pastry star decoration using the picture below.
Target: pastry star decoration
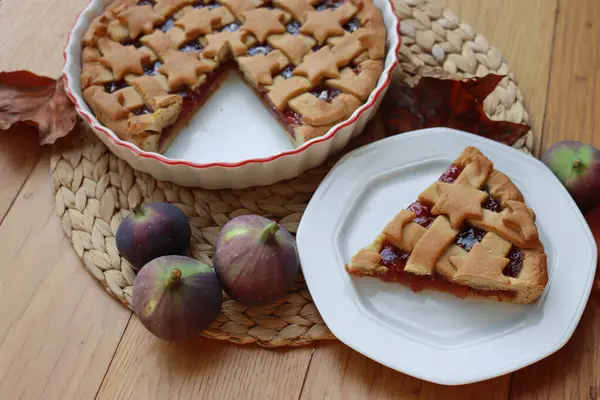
(183, 68)
(458, 202)
(123, 59)
(198, 22)
(469, 268)
(139, 19)
(319, 65)
(168, 7)
(322, 24)
(217, 42)
(263, 22)
(520, 217)
(261, 67)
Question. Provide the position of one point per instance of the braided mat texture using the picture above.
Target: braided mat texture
(94, 190)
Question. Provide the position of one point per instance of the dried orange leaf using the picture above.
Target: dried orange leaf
(36, 100)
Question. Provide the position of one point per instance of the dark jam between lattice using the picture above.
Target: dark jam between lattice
(469, 236)
(325, 93)
(395, 259)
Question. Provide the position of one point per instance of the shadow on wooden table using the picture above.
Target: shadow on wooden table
(343, 373)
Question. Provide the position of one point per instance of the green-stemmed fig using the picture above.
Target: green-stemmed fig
(577, 166)
(153, 230)
(176, 297)
(255, 259)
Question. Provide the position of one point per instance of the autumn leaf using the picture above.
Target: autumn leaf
(38, 101)
(435, 98)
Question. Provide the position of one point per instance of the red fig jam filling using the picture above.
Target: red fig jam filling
(395, 261)
(142, 110)
(469, 236)
(291, 117)
(259, 50)
(132, 42)
(325, 93)
(191, 46)
(331, 4)
(293, 28)
(450, 175)
(423, 211)
(356, 68)
(287, 71)
(232, 27)
(352, 25)
(491, 203)
(515, 264)
(152, 69)
(114, 86)
(169, 23)
(209, 6)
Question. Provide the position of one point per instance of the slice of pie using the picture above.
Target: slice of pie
(469, 234)
(148, 66)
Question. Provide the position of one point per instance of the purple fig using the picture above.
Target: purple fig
(577, 166)
(153, 230)
(176, 297)
(256, 260)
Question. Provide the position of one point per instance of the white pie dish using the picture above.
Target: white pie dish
(201, 158)
(429, 335)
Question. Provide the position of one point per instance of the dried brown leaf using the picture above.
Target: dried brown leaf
(433, 98)
(38, 101)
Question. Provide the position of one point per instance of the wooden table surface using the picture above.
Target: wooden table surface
(62, 337)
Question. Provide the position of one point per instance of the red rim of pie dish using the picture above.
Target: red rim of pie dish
(159, 157)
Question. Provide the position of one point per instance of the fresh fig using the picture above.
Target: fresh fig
(577, 166)
(176, 297)
(151, 231)
(255, 259)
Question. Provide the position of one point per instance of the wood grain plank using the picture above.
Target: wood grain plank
(33, 34)
(58, 329)
(148, 368)
(523, 32)
(338, 372)
(573, 112)
(19, 151)
(574, 91)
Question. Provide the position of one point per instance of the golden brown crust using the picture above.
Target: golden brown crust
(433, 249)
(178, 42)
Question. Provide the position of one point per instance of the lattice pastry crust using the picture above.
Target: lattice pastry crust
(470, 233)
(147, 66)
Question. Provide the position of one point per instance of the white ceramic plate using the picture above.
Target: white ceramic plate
(233, 141)
(436, 336)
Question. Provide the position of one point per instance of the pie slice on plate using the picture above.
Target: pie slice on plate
(470, 234)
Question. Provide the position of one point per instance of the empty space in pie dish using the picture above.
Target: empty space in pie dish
(233, 125)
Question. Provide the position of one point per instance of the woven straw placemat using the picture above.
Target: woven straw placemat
(94, 190)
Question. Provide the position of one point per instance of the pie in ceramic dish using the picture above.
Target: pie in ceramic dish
(148, 66)
(470, 234)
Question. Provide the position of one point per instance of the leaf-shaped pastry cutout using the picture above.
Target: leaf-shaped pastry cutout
(38, 101)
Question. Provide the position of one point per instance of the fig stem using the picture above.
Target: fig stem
(269, 232)
(137, 209)
(576, 163)
(175, 275)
